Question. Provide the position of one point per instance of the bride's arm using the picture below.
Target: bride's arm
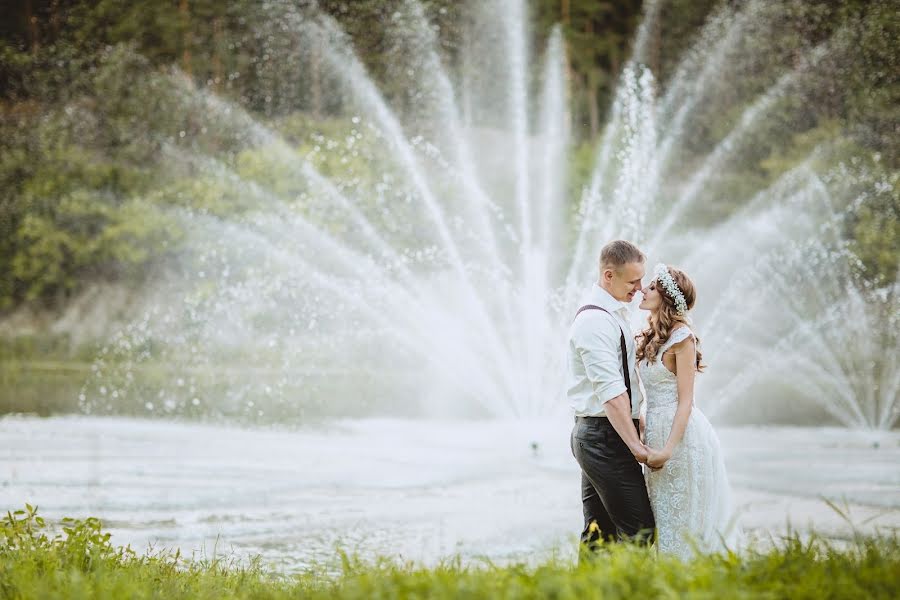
(686, 370)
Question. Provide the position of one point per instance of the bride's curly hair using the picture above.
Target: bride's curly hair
(663, 320)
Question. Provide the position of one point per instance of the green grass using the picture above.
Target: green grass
(80, 562)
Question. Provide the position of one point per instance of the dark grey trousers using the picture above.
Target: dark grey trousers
(613, 491)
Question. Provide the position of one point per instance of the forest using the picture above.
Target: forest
(86, 98)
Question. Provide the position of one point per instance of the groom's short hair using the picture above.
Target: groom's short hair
(619, 253)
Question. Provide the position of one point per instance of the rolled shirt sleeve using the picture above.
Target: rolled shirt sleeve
(599, 347)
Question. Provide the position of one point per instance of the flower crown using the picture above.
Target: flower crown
(665, 279)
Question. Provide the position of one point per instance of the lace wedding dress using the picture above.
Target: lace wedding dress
(690, 496)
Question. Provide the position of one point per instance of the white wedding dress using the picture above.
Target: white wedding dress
(690, 496)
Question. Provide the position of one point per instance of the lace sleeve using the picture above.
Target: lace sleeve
(680, 334)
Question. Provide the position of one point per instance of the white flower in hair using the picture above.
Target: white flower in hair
(661, 272)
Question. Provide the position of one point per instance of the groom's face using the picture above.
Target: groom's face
(623, 283)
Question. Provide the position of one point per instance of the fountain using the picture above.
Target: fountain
(426, 261)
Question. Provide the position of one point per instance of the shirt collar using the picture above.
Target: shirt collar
(604, 299)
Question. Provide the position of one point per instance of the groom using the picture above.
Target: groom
(603, 390)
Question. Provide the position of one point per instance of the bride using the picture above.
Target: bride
(687, 482)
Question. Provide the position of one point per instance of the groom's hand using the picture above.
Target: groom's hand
(656, 459)
(640, 453)
(618, 411)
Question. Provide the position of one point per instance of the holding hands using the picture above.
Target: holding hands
(657, 458)
(641, 452)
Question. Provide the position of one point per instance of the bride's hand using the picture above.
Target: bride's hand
(657, 458)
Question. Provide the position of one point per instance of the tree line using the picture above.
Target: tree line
(79, 200)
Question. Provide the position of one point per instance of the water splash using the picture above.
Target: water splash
(423, 259)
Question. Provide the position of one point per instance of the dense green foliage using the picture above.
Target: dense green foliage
(88, 111)
(80, 562)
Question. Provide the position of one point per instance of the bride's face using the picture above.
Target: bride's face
(651, 300)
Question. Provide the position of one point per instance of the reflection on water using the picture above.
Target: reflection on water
(419, 489)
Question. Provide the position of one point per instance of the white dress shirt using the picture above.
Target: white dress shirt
(594, 356)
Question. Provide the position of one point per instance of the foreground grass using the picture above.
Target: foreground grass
(80, 562)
